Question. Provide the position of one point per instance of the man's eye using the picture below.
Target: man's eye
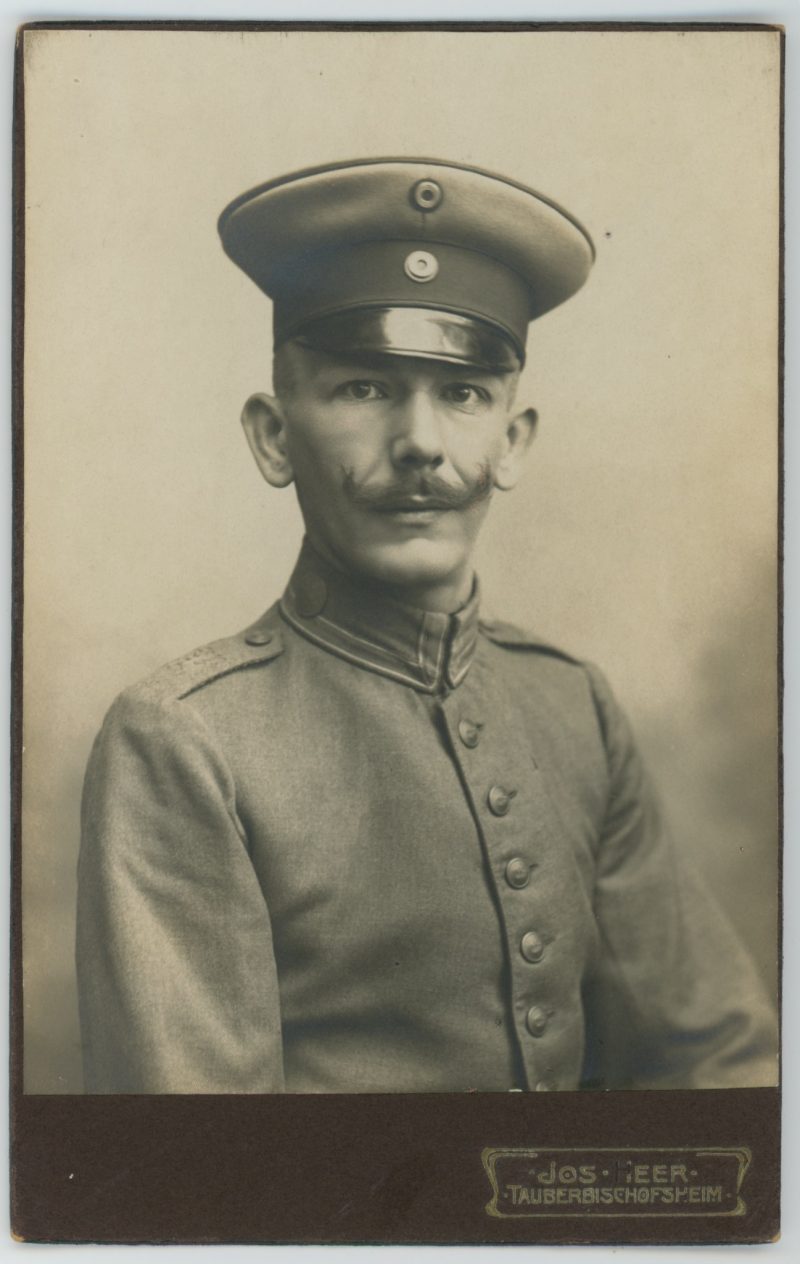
(464, 393)
(362, 390)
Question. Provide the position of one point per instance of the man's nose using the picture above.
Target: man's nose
(417, 437)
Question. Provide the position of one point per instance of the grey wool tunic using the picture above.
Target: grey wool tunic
(365, 848)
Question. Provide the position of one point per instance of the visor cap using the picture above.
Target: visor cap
(417, 257)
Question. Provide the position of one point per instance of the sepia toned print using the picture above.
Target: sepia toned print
(294, 874)
(400, 834)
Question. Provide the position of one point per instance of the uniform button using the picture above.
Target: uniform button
(259, 636)
(536, 1020)
(544, 1086)
(469, 733)
(499, 800)
(518, 873)
(426, 195)
(311, 594)
(531, 946)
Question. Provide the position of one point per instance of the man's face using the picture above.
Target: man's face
(395, 460)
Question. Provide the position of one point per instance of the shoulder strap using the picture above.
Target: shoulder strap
(259, 643)
(512, 637)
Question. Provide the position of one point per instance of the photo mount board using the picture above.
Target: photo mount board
(389, 1168)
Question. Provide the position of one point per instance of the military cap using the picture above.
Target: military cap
(407, 256)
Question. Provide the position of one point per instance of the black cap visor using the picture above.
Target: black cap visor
(415, 332)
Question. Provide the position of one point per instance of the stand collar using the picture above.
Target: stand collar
(428, 650)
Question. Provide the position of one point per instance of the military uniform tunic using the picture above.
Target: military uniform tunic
(366, 848)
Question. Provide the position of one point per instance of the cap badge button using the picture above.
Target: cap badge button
(426, 195)
(421, 265)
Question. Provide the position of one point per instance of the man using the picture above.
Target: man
(373, 843)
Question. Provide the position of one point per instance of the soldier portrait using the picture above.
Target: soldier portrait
(420, 737)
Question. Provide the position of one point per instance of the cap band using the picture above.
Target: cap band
(411, 331)
(400, 273)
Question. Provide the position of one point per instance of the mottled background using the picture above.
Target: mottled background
(643, 535)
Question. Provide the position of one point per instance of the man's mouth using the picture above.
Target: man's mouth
(413, 505)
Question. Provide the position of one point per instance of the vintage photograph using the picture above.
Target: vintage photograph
(398, 424)
(418, 734)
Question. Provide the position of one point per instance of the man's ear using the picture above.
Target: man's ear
(519, 437)
(265, 427)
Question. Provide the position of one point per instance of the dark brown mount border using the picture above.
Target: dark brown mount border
(179, 24)
(335, 1169)
(17, 588)
(779, 529)
(388, 1168)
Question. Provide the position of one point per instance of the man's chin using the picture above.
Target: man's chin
(412, 564)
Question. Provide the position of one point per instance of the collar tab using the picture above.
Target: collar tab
(428, 650)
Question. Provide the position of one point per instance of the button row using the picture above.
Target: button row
(518, 875)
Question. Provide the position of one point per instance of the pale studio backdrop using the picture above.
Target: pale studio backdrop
(643, 535)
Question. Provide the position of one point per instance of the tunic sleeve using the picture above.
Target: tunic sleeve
(176, 973)
(673, 1000)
